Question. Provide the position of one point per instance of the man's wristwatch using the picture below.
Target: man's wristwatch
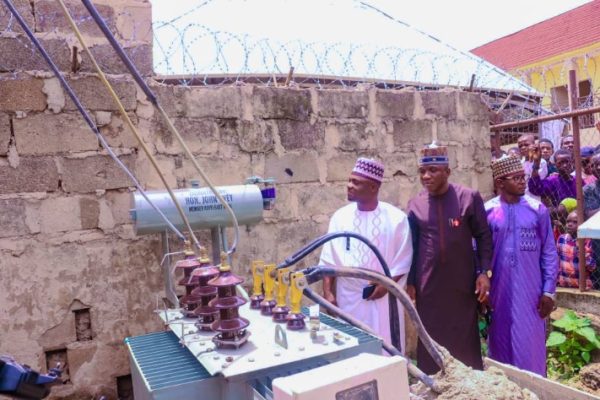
(551, 295)
(487, 272)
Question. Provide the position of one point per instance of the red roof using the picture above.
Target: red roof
(571, 30)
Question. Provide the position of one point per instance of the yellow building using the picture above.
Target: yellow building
(542, 55)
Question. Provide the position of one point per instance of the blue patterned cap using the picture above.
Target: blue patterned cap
(432, 154)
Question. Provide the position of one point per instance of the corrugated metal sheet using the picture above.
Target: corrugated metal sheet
(569, 31)
(163, 361)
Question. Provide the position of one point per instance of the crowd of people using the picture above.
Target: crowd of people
(460, 257)
(550, 178)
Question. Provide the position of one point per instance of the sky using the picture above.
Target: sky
(463, 24)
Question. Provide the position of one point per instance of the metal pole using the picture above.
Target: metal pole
(169, 293)
(536, 120)
(573, 99)
(215, 239)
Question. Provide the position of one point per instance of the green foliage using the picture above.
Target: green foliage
(483, 325)
(569, 346)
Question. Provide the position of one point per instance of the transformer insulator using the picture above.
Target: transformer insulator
(206, 313)
(188, 302)
(231, 327)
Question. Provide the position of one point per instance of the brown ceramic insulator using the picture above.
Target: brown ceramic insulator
(188, 302)
(231, 327)
(280, 314)
(206, 314)
(256, 300)
(188, 265)
(295, 322)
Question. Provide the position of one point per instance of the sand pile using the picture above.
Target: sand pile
(460, 382)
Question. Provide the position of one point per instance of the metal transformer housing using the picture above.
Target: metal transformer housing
(200, 206)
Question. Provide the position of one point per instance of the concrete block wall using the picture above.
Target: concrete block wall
(69, 259)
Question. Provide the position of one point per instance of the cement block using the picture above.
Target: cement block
(89, 174)
(219, 102)
(89, 209)
(286, 205)
(292, 168)
(39, 134)
(340, 166)
(419, 132)
(4, 133)
(296, 135)
(471, 106)
(200, 134)
(12, 218)
(21, 93)
(95, 97)
(8, 23)
(19, 54)
(117, 132)
(33, 174)
(439, 103)
(354, 137)
(49, 17)
(314, 200)
(256, 136)
(60, 214)
(119, 202)
(397, 105)
(170, 98)
(342, 104)
(110, 63)
(281, 103)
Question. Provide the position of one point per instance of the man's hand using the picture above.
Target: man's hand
(545, 306)
(535, 155)
(482, 288)
(378, 293)
(330, 297)
(411, 291)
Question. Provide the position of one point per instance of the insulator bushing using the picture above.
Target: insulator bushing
(188, 302)
(206, 314)
(231, 327)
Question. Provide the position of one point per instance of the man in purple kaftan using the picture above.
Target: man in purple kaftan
(525, 268)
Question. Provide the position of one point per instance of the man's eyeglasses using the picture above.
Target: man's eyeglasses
(515, 178)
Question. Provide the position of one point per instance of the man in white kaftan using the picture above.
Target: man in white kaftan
(387, 228)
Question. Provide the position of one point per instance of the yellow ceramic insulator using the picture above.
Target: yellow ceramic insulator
(282, 286)
(269, 282)
(296, 288)
(257, 277)
(187, 248)
(203, 257)
(224, 267)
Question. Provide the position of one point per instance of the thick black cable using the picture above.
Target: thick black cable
(119, 50)
(84, 113)
(314, 274)
(412, 369)
(394, 315)
(320, 241)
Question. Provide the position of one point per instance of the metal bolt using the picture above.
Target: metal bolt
(347, 338)
(277, 354)
(202, 343)
(225, 365)
(325, 342)
(250, 359)
(301, 348)
(229, 359)
(216, 357)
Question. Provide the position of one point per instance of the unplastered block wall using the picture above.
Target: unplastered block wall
(75, 280)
